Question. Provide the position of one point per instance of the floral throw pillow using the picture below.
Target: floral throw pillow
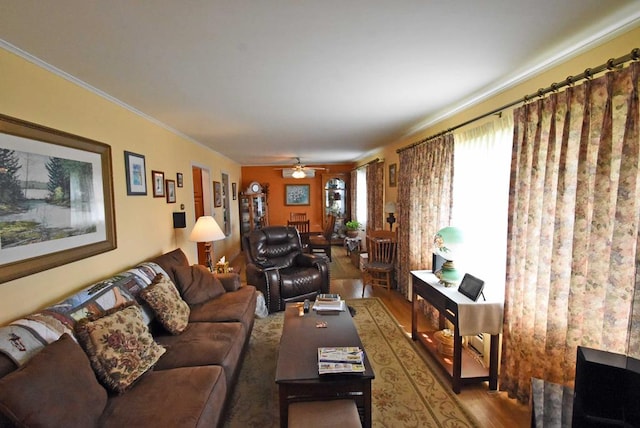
(119, 345)
(166, 303)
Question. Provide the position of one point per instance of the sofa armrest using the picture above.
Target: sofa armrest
(230, 281)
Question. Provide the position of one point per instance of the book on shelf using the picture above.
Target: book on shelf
(329, 302)
(340, 360)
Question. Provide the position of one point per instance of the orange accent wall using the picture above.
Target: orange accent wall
(278, 211)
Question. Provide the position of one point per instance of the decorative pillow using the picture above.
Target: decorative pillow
(57, 387)
(166, 303)
(119, 345)
(197, 284)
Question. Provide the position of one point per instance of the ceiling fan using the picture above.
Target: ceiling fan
(301, 171)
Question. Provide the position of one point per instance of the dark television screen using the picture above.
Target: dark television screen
(632, 404)
(471, 286)
(599, 393)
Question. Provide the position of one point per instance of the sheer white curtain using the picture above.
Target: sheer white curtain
(482, 160)
(361, 197)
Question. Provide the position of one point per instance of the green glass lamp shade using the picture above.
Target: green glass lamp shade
(448, 242)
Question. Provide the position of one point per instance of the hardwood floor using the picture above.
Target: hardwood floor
(492, 409)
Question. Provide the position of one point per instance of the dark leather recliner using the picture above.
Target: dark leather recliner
(278, 268)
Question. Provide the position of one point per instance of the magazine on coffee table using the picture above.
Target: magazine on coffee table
(340, 360)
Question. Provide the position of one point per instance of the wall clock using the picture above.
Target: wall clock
(254, 187)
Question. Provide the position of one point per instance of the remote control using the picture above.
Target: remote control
(306, 305)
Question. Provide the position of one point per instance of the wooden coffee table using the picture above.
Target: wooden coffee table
(297, 370)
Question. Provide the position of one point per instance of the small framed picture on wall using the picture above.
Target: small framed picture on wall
(157, 178)
(217, 194)
(296, 194)
(171, 192)
(393, 175)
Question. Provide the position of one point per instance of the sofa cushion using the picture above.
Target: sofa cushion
(197, 284)
(239, 305)
(165, 301)
(119, 345)
(183, 397)
(57, 387)
(203, 344)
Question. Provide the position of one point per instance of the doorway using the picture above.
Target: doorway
(201, 202)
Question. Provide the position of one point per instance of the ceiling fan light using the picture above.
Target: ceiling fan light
(298, 173)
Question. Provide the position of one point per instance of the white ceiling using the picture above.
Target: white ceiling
(263, 82)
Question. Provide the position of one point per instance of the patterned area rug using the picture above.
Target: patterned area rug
(341, 266)
(406, 391)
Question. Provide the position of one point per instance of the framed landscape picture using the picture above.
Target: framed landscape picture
(56, 203)
(296, 194)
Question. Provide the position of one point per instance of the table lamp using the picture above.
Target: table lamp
(448, 245)
(207, 230)
(390, 207)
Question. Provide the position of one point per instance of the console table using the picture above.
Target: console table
(468, 318)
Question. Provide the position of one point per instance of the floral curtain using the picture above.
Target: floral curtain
(375, 195)
(425, 187)
(573, 229)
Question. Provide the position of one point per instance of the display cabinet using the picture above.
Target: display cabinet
(336, 188)
(253, 212)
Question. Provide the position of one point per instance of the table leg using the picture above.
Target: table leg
(367, 405)
(414, 315)
(457, 360)
(493, 362)
(284, 406)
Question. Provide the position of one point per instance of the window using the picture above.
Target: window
(482, 159)
(361, 197)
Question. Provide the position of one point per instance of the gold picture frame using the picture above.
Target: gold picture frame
(393, 175)
(46, 221)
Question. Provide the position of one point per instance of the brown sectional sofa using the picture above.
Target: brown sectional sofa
(187, 387)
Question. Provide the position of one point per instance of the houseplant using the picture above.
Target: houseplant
(352, 227)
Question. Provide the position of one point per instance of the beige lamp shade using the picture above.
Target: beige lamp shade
(206, 230)
(390, 207)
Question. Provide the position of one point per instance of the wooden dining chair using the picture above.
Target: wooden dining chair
(323, 242)
(297, 216)
(303, 229)
(381, 262)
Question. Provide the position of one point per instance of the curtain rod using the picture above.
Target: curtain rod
(366, 164)
(634, 55)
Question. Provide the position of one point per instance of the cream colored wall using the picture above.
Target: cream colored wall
(144, 224)
(620, 46)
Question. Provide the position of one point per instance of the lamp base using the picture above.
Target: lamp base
(449, 276)
(208, 251)
(391, 219)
